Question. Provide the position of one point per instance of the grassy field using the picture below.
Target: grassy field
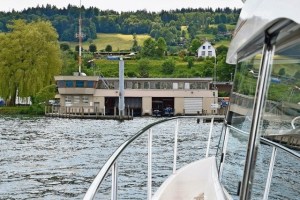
(117, 41)
(109, 68)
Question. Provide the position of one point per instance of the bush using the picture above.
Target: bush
(168, 66)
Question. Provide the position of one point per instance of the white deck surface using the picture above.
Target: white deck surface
(196, 181)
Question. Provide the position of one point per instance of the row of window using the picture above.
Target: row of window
(70, 100)
(155, 85)
(135, 85)
(77, 84)
(209, 53)
(208, 47)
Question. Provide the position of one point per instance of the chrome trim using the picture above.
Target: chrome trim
(114, 181)
(270, 173)
(254, 136)
(279, 146)
(175, 146)
(149, 195)
(209, 137)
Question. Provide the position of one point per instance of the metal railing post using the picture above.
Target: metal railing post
(270, 173)
(114, 181)
(149, 188)
(175, 146)
(209, 136)
(224, 153)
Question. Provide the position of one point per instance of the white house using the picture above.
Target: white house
(206, 50)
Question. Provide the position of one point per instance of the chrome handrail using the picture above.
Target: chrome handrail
(90, 194)
(274, 146)
(279, 146)
(268, 142)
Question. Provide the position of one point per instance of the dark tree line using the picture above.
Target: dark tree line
(166, 24)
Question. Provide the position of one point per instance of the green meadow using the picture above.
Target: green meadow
(116, 40)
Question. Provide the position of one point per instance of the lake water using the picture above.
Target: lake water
(52, 158)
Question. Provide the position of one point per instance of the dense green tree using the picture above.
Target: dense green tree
(190, 62)
(108, 48)
(224, 70)
(135, 45)
(161, 47)
(168, 66)
(29, 58)
(281, 72)
(195, 45)
(92, 48)
(144, 67)
(64, 46)
(297, 75)
(46, 93)
(148, 49)
(222, 28)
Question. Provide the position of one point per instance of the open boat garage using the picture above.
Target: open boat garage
(142, 96)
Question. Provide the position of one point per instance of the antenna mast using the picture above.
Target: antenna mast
(80, 36)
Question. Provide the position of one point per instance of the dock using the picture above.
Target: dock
(91, 116)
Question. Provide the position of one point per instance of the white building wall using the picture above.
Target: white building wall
(147, 106)
(206, 50)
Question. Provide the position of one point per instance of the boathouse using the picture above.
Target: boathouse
(143, 96)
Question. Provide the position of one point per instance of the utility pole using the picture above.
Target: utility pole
(121, 88)
(79, 35)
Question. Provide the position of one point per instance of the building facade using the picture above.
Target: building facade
(143, 96)
(206, 50)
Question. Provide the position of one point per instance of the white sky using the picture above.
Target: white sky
(121, 5)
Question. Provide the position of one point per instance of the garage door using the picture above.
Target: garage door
(192, 106)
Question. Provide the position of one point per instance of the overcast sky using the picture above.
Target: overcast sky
(122, 5)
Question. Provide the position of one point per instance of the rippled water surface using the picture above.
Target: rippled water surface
(51, 158)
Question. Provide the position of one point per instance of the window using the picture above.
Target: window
(69, 83)
(80, 84)
(203, 47)
(209, 53)
(90, 84)
(209, 47)
(61, 84)
(152, 85)
(180, 85)
(85, 99)
(202, 53)
(168, 85)
(157, 85)
(187, 86)
(129, 85)
(146, 85)
(68, 100)
(76, 99)
(175, 86)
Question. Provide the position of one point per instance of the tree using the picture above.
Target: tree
(144, 67)
(190, 61)
(281, 72)
(135, 46)
(108, 48)
(29, 58)
(46, 93)
(92, 48)
(222, 28)
(148, 49)
(161, 47)
(64, 46)
(195, 45)
(168, 66)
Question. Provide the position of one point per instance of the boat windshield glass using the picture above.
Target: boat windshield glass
(280, 120)
(241, 109)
